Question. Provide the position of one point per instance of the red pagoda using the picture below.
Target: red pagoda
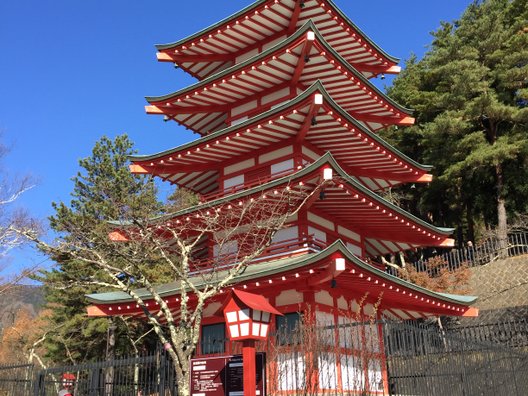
(283, 99)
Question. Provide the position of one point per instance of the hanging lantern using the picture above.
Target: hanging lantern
(248, 316)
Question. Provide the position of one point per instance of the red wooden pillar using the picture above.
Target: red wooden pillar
(337, 341)
(249, 368)
(311, 358)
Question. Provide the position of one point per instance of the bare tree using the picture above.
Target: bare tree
(240, 229)
(12, 219)
(305, 359)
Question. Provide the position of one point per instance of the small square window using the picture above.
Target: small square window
(288, 328)
(213, 339)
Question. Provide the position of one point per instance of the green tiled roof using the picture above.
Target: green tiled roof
(326, 159)
(308, 26)
(256, 4)
(274, 267)
(316, 87)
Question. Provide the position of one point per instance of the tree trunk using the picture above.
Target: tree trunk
(181, 367)
(110, 355)
(183, 383)
(470, 222)
(502, 221)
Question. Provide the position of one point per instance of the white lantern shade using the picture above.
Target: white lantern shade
(243, 314)
(340, 264)
(231, 317)
(233, 329)
(247, 316)
(244, 329)
(263, 330)
(328, 173)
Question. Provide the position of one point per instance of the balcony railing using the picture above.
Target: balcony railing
(277, 250)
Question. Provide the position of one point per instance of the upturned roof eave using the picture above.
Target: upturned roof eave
(215, 135)
(326, 159)
(274, 267)
(316, 87)
(391, 58)
(307, 26)
(258, 3)
(214, 26)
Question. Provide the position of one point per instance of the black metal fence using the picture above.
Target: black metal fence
(474, 255)
(511, 333)
(484, 359)
(427, 361)
(138, 376)
(412, 358)
(16, 379)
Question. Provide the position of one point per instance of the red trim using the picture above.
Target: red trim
(166, 56)
(294, 17)
(312, 112)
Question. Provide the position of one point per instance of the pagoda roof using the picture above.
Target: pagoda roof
(362, 153)
(217, 46)
(296, 63)
(386, 227)
(399, 297)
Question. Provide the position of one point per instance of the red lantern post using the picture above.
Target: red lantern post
(248, 317)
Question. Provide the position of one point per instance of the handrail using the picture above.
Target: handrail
(275, 250)
(482, 253)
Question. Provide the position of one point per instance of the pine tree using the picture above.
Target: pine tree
(103, 190)
(470, 94)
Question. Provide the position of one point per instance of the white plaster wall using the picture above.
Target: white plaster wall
(211, 309)
(342, 303)
(355, 249)
(227, 248)
(239, 120)
(285, 234)
(233, 181)
(282, 166)
(306, 151)
(348, 233)
(317, 233)
(320, 221)
(239, 166)
(287, 297)
(276, 154)
(281, 93)
(323, 297)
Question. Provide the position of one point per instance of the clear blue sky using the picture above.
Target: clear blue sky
(74, 70)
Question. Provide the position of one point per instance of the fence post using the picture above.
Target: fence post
(95, 380)
(39, 384)
(162, 377)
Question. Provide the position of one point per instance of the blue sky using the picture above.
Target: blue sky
(72, 71)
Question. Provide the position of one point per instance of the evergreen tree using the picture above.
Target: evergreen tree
(103, 190)
(470, 93)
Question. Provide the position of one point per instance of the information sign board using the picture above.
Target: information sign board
(223, 376)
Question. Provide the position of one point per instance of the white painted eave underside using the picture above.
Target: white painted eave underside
(204, 107)
(273, 19)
